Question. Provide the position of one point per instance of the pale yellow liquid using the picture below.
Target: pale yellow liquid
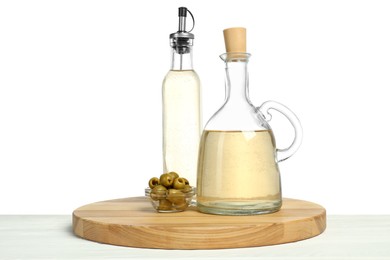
(237, 173)
(181, 123)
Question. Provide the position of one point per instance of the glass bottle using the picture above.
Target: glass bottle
(238, 171)
(181, 106)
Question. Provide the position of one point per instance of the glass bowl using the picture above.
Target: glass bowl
(170, 200)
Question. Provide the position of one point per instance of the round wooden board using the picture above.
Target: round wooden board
(133, 222)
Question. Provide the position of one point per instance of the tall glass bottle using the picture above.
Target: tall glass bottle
(238, 171)
(181, 106)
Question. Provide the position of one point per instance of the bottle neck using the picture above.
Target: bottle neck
(237, 83)
(181, 60)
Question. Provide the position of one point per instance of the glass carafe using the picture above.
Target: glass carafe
(238, 170)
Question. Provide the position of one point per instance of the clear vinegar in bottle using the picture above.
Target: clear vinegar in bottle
(181, 107)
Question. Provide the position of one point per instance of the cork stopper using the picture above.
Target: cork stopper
(235, 39)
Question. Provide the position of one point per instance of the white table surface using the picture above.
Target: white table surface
(51, 237)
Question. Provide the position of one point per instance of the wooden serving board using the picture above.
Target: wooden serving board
(133, 222)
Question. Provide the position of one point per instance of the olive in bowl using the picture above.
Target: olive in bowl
(170, 200)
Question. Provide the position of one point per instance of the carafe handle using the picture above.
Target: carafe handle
(263, 110)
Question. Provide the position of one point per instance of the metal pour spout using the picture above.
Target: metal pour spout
(182, 40)
(182, 19)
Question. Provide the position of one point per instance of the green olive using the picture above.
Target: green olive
(166, 180)
(187, 188)
(153, 182)
(158, 192)
(164, 205)
(181, 206)
(176, 196)
(186, 181)
(174, 174)
(179, 183)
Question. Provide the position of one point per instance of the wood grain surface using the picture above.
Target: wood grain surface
(133, 222)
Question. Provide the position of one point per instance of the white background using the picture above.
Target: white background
(80, 96)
